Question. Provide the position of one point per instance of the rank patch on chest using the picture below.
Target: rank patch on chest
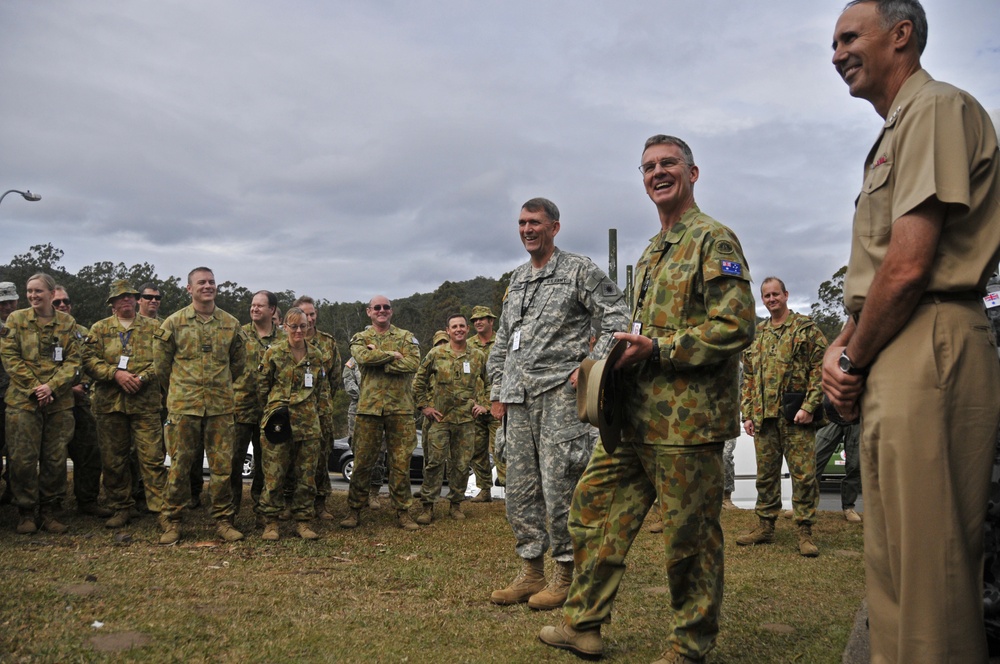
(732, 267)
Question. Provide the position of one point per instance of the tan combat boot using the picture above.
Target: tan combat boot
(762, 534)
(851, 515)
(171, 530)
(352, 520)
(554, 594)
(224, 528)
(373, 503)
(52, 525)
(321, 510)
(404, 520)
(26, 525)
(806, 546)
(530, 580)
(484, 496)
(271, 532)
(426, 515)
(118, 520)
(456, 511)
(727, 501)
(304, 531)
(586, 643)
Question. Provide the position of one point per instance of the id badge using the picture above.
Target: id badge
(57, 354)
(123, 362)
(309, 379)
(515, 340)
(466, 368)
(636, 327)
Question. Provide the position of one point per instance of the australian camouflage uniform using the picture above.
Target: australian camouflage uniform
(542, 335)
(249, 412)
(486, 433)
(127, 423)
(693, 297)
(385, 408)
(36, 353)
(196, 360)
(84, 448)
(301, 386)
(451, 383)
(784, 359)
(331, 364)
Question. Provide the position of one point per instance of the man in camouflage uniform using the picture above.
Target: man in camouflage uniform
(785, 360)
(450, 390)
(118, 356)
(331, 362)
(352, 385)
(553, 302)
(83, 447)
(198, 352)
(486, 425)
(694, 313)
(39, 347)
(260, 334)
(8, 303)
(388, 357)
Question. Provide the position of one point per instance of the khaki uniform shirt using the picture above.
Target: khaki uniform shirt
(783, 359)
(197, 360)
(386, 383)
(248, 409)
(937, 142)
(699, 305)
(29, 349)
(107, 342)
(451, 383)
(281, 381)
(544, 330)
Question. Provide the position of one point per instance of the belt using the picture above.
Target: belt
(956, 296)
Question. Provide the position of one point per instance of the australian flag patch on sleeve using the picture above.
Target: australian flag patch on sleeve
(732, 267)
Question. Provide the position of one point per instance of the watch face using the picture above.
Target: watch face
(845, 364)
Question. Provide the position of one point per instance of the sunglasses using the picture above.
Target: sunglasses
(151, 297)
(59, 303)
(381, 307)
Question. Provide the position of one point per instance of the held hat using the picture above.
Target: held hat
(121, 287)
(278, 428)
(481, 312)
(440, 337)
(598, 396)
(8, 291)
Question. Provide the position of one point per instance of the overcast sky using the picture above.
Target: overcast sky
(343, 149)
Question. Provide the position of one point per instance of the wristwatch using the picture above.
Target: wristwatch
(655, 357)
(848, 367)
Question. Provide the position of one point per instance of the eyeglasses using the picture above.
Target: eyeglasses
(59, 303)
(297, 328)
(665, 164)
(151, 297)
(381, 307)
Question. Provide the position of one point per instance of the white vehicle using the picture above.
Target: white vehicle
(745, 493)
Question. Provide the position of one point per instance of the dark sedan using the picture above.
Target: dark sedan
(342, 459)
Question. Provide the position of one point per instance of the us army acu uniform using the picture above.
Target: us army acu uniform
(127, 422)
(385, 407)
(331, 362)
(300, 386)
(248, 414)
(451, 383)
(196, 361)
(83, 448)
(783, 359)
(36, 354)
(694, 299)
(543, 334)
(486, 427)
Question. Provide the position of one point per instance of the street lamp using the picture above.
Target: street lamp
(27, 195)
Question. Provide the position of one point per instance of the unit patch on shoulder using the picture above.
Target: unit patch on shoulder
(724, 247)
(731, 267)
(608, 289)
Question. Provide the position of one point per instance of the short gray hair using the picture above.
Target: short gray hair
(893, 11)
(542, 205)
(663, 139)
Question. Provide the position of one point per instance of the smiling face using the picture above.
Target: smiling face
(380, 312)
(201, 287)
(39, 297)
(863, 54)
(296, 327)
(260, 308)
(149, 305)
(538, 234)
(309, 309)
(61, 301)
(458, 329)
(775, 298)
(123, 306)
(484, 326)
(670, 181)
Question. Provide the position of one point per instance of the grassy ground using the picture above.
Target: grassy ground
(379, 594)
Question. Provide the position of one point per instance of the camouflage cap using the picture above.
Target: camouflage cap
(481, 312)
(440, 337)
(8, 291)
(121, 287)
(598, 397)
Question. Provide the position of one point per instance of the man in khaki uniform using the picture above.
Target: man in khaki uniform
(450, 390)
(917, 356)
(118, 356)
(198, 352)
(483, 320)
